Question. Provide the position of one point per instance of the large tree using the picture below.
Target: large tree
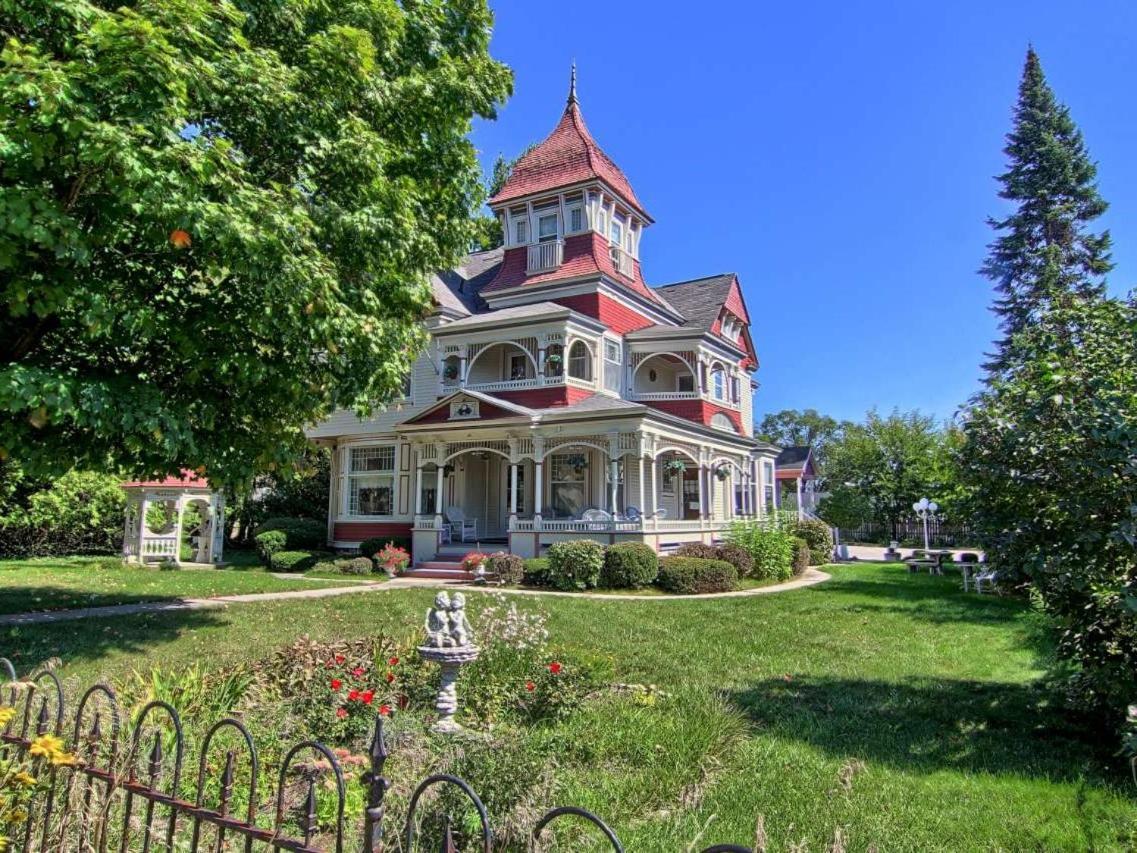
(879, 468)
(1045, 250)
(1050, 459)
(217, 218)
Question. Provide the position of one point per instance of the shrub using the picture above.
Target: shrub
(300, 533)
(536, 571)
(575, 565)
(690, 575)
(770, 547)
(78, 513)
(294, 561)
(738, 557)
(355, 566)
(818, 536)
(699, 550)
(802, 554)
(509, 568)
(629, 565)
(269, 542)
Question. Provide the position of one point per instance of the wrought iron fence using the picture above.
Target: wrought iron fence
(123, 794)
(911, 532)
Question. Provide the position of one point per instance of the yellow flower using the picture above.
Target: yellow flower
(64, 759)
(46, 746)
(4, 842)
(24, 778)
(6, 714)
(17, 816)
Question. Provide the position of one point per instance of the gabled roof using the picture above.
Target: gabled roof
(569, 155)
(458, 290)
(793, 458)
(701, 301)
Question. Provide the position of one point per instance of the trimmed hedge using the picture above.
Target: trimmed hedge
(629, 565)
(509, 568)
(692, 575)
(818, 536)
(736, 555)
(355, 566)
(300, 533)
(295, 561)
(535, 571)
(575, 565)
(269, 542)
(802, 555)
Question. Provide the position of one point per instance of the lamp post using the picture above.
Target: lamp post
(925, 508)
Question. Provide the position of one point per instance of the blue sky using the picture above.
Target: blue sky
(838, 156)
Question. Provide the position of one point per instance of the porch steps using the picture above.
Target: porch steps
(440, 570)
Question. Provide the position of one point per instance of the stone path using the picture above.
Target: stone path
(811, 577)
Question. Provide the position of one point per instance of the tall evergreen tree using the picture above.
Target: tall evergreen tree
(1045, 251)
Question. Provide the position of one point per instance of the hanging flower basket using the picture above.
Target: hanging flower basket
(578, 462)
(447, 470)
(450, 371)
(675, 466)
(722, 472)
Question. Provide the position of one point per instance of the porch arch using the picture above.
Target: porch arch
(674, 355)
(487, 347)
(464, 450)
(561, 447)
(663, 451)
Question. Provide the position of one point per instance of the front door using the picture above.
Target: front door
(691, 507)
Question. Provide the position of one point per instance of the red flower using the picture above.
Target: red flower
(341, 712)
(336, 684)
(385, 710)
(390, 677)
(357, 672)
(368, 696)
(339, 658)
(352, 695)
(393, 661)
(554, 667)
(180, 239)
(530, 686)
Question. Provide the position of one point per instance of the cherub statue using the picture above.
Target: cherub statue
(460, 631)
(437, 622)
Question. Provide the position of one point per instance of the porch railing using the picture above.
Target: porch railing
(664, 395)
(566, 525)
(622, 261)
(545, 256)
(160, 546)
(126, 790)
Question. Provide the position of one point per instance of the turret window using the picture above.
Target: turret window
(520, 231)
(617, 234)
(576, 219)
(547, 228)
(580, 361)
(718, 382)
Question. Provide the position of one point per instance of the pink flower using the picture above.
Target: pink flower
(554, 667)
(530, 686)
(357, 672)
(393, 662)
(341, 712)
(339, 658)
(385, 710)
(336, 684)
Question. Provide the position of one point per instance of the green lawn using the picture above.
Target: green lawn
(60, 583)
(889, 707)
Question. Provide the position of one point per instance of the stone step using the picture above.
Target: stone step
(454, 574)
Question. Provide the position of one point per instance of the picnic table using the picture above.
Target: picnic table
(931, 559)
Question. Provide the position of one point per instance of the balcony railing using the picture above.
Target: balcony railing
(664, 395)
(545, 256)
(622, 261)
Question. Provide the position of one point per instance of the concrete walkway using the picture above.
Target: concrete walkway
(809, 578)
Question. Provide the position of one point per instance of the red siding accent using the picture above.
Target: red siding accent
(699, 411)
(357, 531)
(546, 398)
(442, 414)
(617, 317)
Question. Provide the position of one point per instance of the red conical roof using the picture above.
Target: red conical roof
(568, 155)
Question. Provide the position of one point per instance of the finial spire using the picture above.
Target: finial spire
(572, 86)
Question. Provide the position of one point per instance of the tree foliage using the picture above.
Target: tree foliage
(807, 427)
(879, 468)
(1044, 249)
(217, 218)
(1050, 459)
(80, 512)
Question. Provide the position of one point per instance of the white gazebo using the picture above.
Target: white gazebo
(142, 544)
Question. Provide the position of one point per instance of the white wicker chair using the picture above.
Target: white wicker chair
(460, 526)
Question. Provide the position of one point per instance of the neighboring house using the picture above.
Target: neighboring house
(797, 476)
(558, 384)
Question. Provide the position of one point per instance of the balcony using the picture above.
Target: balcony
(544, 257)
(622, 261)
(649, 396)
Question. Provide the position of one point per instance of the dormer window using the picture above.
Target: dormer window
(547, 227)
(617, 234)
(575, 219)
(520, 231)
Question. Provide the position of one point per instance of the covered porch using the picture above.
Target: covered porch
(525, 492)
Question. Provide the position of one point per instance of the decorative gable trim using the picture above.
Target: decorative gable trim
(466, 407)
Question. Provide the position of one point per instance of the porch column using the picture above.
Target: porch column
(178, 507)
(538, 481)
(799, 513)
(613, 474)
(461, 371)
(418, 488)
(438, 496)
(541, 363)
(655, 492)
(512, 495)
(643, 509)
(704, 509)
(143, 530)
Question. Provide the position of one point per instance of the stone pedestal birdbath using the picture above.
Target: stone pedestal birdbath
(449, 643)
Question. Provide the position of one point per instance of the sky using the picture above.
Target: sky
(839, 157)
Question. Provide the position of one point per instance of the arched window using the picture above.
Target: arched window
(554, 360)
(718, 382)
(580, 362)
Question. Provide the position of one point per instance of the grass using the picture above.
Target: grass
(888, 707)
(61, 583)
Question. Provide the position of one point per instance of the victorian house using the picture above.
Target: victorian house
(561, 395)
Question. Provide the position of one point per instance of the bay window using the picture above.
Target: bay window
(371, 481)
